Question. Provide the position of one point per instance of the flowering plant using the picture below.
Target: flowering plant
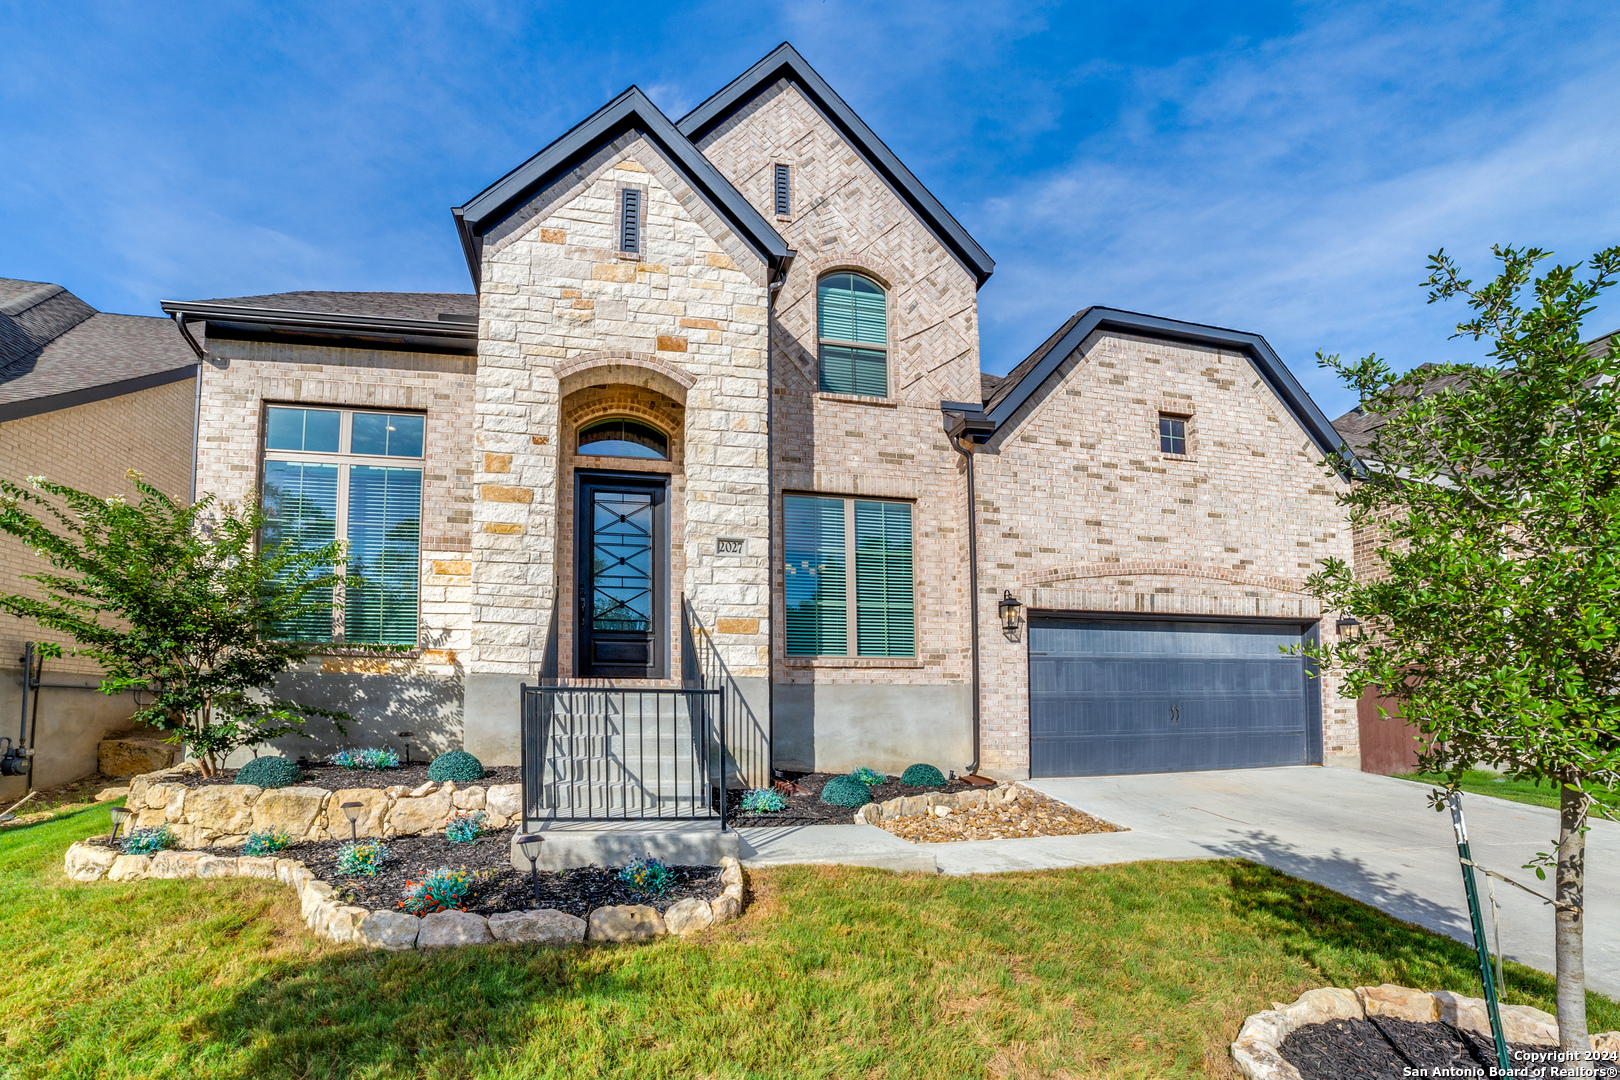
(443, 890)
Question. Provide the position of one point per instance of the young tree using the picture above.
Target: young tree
(176, 603)
(1494, 615)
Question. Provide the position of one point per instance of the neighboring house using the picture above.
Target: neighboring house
(704, 422)
(84, 397)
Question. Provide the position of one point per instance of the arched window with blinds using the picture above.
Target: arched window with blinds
(852, 332)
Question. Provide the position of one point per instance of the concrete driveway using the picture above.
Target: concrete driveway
(1370, 837)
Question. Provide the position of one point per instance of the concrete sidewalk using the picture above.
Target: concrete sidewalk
(1370, 837)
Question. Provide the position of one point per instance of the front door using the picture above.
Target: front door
(622, 570)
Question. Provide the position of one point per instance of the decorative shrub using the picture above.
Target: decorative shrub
(361, 857)
(270, 772)
(647, 875)
(846, 791)
(465, 828)
(370, 760)
(762, 801)
(443, 890)
(457, 765)
(266, 841)
(149, 841)
(922, 776)
(869, 777)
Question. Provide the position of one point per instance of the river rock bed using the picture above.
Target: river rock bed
(1028, 813)
(808, 809)
(497, 886)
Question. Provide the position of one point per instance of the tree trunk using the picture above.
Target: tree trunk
(1571, 882)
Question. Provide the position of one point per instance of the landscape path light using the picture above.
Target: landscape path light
(407, 735)
(120, 814)
(529, 844)
(351, 810)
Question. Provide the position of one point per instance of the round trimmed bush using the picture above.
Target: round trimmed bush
(845, 791)
(920, 775)
(457, 765)
(270, 772)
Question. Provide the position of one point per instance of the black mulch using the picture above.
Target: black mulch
(808, 809)
(497, 886)
(335, 778)
(1381, 1048)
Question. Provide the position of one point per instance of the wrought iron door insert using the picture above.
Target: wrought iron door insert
(623, 559)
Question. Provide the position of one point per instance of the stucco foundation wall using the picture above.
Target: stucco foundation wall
(90, 447)
(838, 727)
(685, 321)
(1079, 511)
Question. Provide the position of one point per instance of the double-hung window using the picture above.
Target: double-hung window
(852, 332)
(345, 474)
(849, 588)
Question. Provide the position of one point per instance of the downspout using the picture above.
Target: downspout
(196, 416)
(775, 285)
(973, 594)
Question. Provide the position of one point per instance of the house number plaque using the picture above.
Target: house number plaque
(727, 546)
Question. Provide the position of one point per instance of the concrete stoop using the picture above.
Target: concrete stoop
(612, 843)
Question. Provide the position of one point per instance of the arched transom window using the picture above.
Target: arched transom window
(852, 335)
(621, 437)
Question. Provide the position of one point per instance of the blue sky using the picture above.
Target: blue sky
(1275, 167)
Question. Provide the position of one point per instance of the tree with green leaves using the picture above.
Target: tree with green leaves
(1493, 616)
(178, 603)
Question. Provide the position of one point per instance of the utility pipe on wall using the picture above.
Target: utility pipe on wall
(973, 593)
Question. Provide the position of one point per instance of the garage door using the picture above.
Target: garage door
(1132, 696)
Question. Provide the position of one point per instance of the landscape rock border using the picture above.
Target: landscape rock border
(955, 802)
(1258, 1057)
(346, 924)
(222, 815)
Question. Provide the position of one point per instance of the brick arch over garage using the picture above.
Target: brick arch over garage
(1085, 571)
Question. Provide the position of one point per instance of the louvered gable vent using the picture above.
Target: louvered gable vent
(784, 203)
(630, 221)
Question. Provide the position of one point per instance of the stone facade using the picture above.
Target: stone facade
(1079, 511)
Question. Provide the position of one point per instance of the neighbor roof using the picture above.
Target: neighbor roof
(1022, 382)
(56, 351)
(784, 62)
(437, 322)
(630, 111)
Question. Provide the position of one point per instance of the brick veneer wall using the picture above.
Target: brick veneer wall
(1078, 510)
(845, 216)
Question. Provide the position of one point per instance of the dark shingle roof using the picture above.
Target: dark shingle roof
(389, 305)
(987, 385)
(57, 351)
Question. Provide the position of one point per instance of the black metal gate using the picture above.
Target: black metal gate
(1131, 696)
(600, 755)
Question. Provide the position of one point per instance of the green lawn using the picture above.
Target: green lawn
(1485, 782)
(1143, 970)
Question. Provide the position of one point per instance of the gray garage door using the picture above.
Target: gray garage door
(1132, 696)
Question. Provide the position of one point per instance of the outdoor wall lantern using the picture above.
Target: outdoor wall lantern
(529, 844)
(1348, 624)
(1010, 610)
(120, 814)
(406, 735)
(351, 810)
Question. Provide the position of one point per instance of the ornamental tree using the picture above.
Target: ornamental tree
(178, 604)
(1493, 615)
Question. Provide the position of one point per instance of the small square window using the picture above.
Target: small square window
(1172, 434)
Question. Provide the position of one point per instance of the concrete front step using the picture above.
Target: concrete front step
(614, 843)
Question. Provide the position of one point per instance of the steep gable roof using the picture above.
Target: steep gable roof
(630, 111)
(1022, 382)
(56, 351)
(784, 62)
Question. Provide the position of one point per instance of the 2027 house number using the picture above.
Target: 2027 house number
(726, 546)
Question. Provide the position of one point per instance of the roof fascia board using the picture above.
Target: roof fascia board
(326, 322)
(17, 410)
(785, 62)
(1266, 362)
(630, 111)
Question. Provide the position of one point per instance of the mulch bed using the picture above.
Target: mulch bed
(808, 809)
(497, 885)
(1033, 814)
(1382, 1048)
(336, 778)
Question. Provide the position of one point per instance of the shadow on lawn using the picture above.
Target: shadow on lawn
(433, 1012)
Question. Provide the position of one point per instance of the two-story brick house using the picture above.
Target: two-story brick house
(714, 415)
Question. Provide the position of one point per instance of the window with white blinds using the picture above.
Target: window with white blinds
(341, 474)
(836, 605)
(852, 335)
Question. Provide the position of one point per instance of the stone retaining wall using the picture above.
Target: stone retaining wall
(347, 924)
(1256, 1050)
(940, 803)
(221, 815)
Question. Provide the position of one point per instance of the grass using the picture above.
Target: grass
(1144, 970)
(1485, 782)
